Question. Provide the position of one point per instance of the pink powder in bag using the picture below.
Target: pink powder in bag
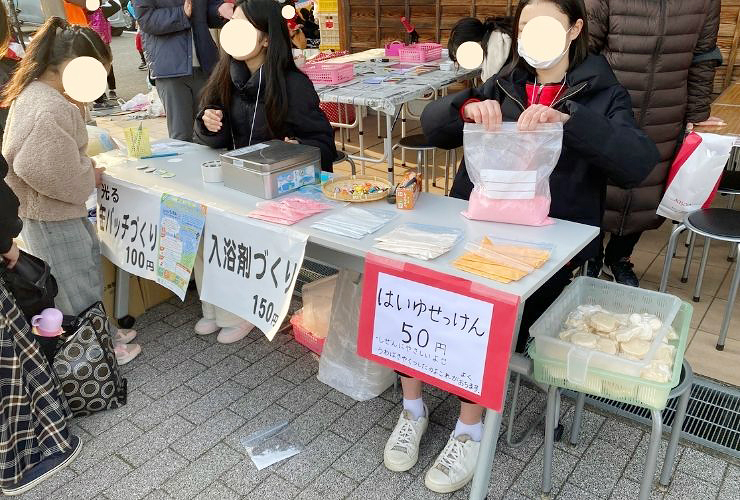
(532, 212)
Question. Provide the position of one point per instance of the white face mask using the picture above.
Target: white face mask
(537, 64)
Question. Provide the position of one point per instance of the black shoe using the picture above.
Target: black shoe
(112, 96)
(45, 469)
(622, 272)
(142, 66)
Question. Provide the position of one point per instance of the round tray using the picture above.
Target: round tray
(341, 183)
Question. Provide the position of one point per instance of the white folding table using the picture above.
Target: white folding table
(567, 238)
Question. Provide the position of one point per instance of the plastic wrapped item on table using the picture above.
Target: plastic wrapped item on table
(355, 222)
(318, 298)
(340, 366)
(511, 172)
(272, 444)
(419, 240)
(288, 209)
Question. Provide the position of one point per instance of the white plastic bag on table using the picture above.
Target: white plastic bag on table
(511, 172)
(339, 366)
(695, 174)
(99, 141)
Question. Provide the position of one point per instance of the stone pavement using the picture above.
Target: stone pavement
(192, 399)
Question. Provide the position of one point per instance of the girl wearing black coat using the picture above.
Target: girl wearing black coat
(257, 98)
(600, 140)
(287, 106)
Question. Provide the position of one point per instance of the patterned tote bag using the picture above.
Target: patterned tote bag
(86, 365)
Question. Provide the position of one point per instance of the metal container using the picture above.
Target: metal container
(271, 169)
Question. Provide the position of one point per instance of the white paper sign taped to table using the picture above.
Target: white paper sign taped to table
(508, 184)
(250, 268)
(433, 331)
(128, 226)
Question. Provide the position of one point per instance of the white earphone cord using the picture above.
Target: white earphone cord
(256, 104)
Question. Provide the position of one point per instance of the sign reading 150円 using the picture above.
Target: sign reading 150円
(439, 328)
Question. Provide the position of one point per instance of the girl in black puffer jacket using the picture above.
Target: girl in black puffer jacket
(263, 96)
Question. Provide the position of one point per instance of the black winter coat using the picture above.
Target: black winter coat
(10, 224)
(600, 141)
(305, 121)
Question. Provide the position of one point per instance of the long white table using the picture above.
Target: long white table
(568, 239)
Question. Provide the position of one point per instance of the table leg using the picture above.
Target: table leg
(122, 285)
(361, 137)
(651, 462)
(551, 417)
(491, 429)
(575, 430)
(389, 145)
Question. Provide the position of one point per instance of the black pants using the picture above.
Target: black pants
(620, 247)
(535, 306)
(111, 86)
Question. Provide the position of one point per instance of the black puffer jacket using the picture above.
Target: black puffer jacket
(665, 53)
(10, 224)
(600, 139)
(305, 121)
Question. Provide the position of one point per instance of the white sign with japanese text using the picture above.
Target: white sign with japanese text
(437, 332)
(128, 226)
(250, 268)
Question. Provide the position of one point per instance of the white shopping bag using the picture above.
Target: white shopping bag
(695, 174)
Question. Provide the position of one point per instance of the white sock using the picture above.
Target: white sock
(475, 431)
(415, 407)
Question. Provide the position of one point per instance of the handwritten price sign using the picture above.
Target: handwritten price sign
(444, 330)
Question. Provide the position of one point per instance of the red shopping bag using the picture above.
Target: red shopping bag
(695, 174)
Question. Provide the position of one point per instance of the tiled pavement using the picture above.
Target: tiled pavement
(192, 399)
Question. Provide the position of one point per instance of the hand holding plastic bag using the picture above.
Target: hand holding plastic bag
(511, 172)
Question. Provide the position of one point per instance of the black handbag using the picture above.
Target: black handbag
(86, 365)
(31, 283)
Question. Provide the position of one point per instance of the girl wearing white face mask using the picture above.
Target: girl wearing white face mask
(601, 140)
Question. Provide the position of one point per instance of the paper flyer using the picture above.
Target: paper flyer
(181, 227)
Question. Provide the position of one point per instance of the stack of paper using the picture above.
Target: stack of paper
(420, 241)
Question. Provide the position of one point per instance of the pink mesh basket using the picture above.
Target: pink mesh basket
(420, 52)
(329, 73)
(391, 49)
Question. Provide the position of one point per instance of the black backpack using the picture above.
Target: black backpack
(31, 283)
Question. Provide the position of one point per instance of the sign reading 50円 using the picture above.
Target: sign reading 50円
(445, 330)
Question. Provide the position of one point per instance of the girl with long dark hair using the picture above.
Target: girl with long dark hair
(45, 145)
(600, 141)
(264, 95)
(257, 98)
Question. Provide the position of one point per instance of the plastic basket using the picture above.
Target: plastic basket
(613, 297)
(391, 49)
(329, 73)
(329, 29)
(303, 336)
(615, 386)
(420, 52)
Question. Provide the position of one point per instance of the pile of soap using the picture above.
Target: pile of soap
(629, 336)
(288, 210)
(501, 260)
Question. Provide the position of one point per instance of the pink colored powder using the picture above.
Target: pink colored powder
(533, 212)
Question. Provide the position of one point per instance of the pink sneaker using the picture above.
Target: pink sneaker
(125, 353)
(124, 336)
(206, 326)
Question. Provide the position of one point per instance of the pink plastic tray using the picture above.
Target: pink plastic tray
(329, 73)
(420, 52)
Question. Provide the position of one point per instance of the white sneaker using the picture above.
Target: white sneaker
(124, 336)
(234, 333)
(455, 466)
(402, 449)
(206, 326)
(125, 353)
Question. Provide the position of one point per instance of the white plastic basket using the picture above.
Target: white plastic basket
(613, 297)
